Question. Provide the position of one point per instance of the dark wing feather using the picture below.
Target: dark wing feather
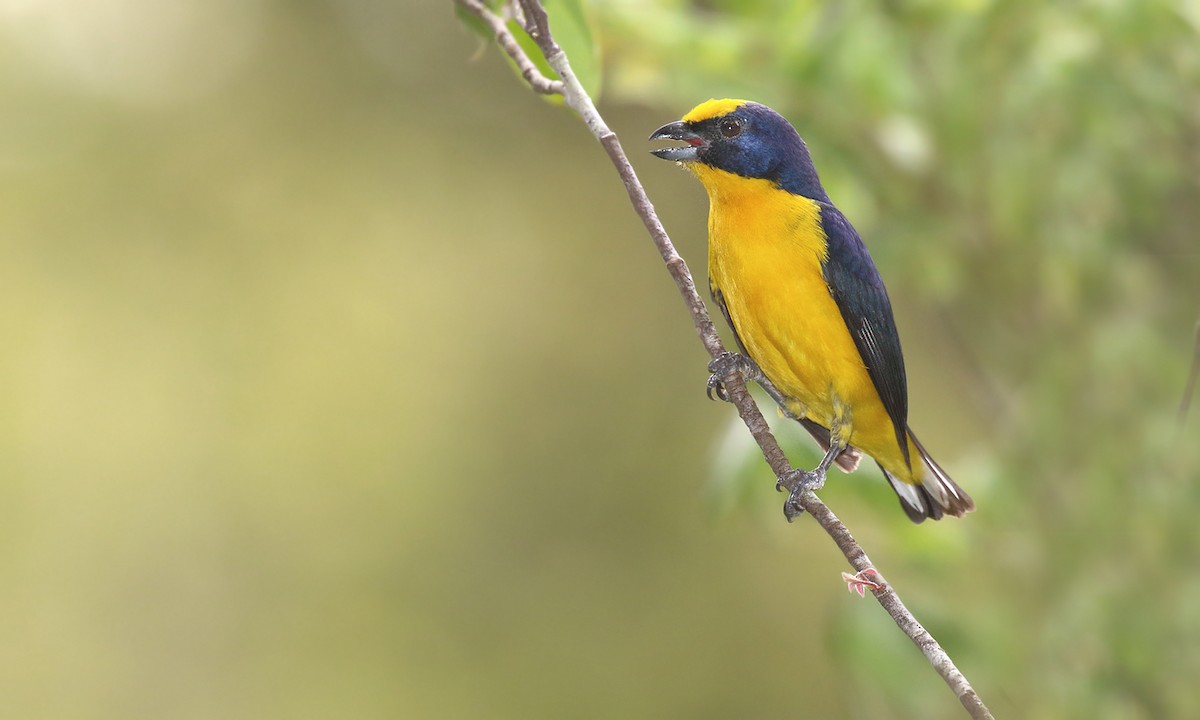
(862, 299)
(719, 298)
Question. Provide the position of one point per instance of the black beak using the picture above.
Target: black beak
(678, 131)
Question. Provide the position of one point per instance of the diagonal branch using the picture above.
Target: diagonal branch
(537, 25)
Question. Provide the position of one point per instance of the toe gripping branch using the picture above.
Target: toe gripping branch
(797, 482)
(731, 362)
(728, 363)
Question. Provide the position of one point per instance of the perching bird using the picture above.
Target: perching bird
(804, 300)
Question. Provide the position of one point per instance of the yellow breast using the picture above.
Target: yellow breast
(765, 249)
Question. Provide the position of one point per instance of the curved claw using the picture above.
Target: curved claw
(724, 364)
(716, 386)
(798, 482)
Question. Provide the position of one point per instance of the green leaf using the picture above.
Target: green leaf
(535, 54)
(472, 22)
(572, 31)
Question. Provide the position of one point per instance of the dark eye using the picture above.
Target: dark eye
(731, 126)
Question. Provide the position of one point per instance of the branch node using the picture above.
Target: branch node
(537, 81)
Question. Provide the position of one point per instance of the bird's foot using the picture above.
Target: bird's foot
(726, 363)
(859, 583)
(798, 482)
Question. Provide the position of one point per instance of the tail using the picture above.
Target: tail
(934, 496)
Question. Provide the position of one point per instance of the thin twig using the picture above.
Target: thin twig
(537, 24)
(539, 82)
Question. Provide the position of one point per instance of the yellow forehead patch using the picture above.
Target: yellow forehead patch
(713, 108)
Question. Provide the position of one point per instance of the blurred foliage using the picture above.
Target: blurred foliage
(339, 379)
(1027, 177)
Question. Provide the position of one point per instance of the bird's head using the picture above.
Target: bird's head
(743, 138)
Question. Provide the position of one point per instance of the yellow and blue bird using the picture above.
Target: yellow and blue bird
(805, 301)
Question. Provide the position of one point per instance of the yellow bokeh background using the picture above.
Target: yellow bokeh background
(340, 380)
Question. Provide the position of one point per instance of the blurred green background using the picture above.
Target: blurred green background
(339, 379)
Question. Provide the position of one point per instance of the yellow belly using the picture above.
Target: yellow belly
(765, 252)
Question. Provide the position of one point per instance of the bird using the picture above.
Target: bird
(806, 304)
